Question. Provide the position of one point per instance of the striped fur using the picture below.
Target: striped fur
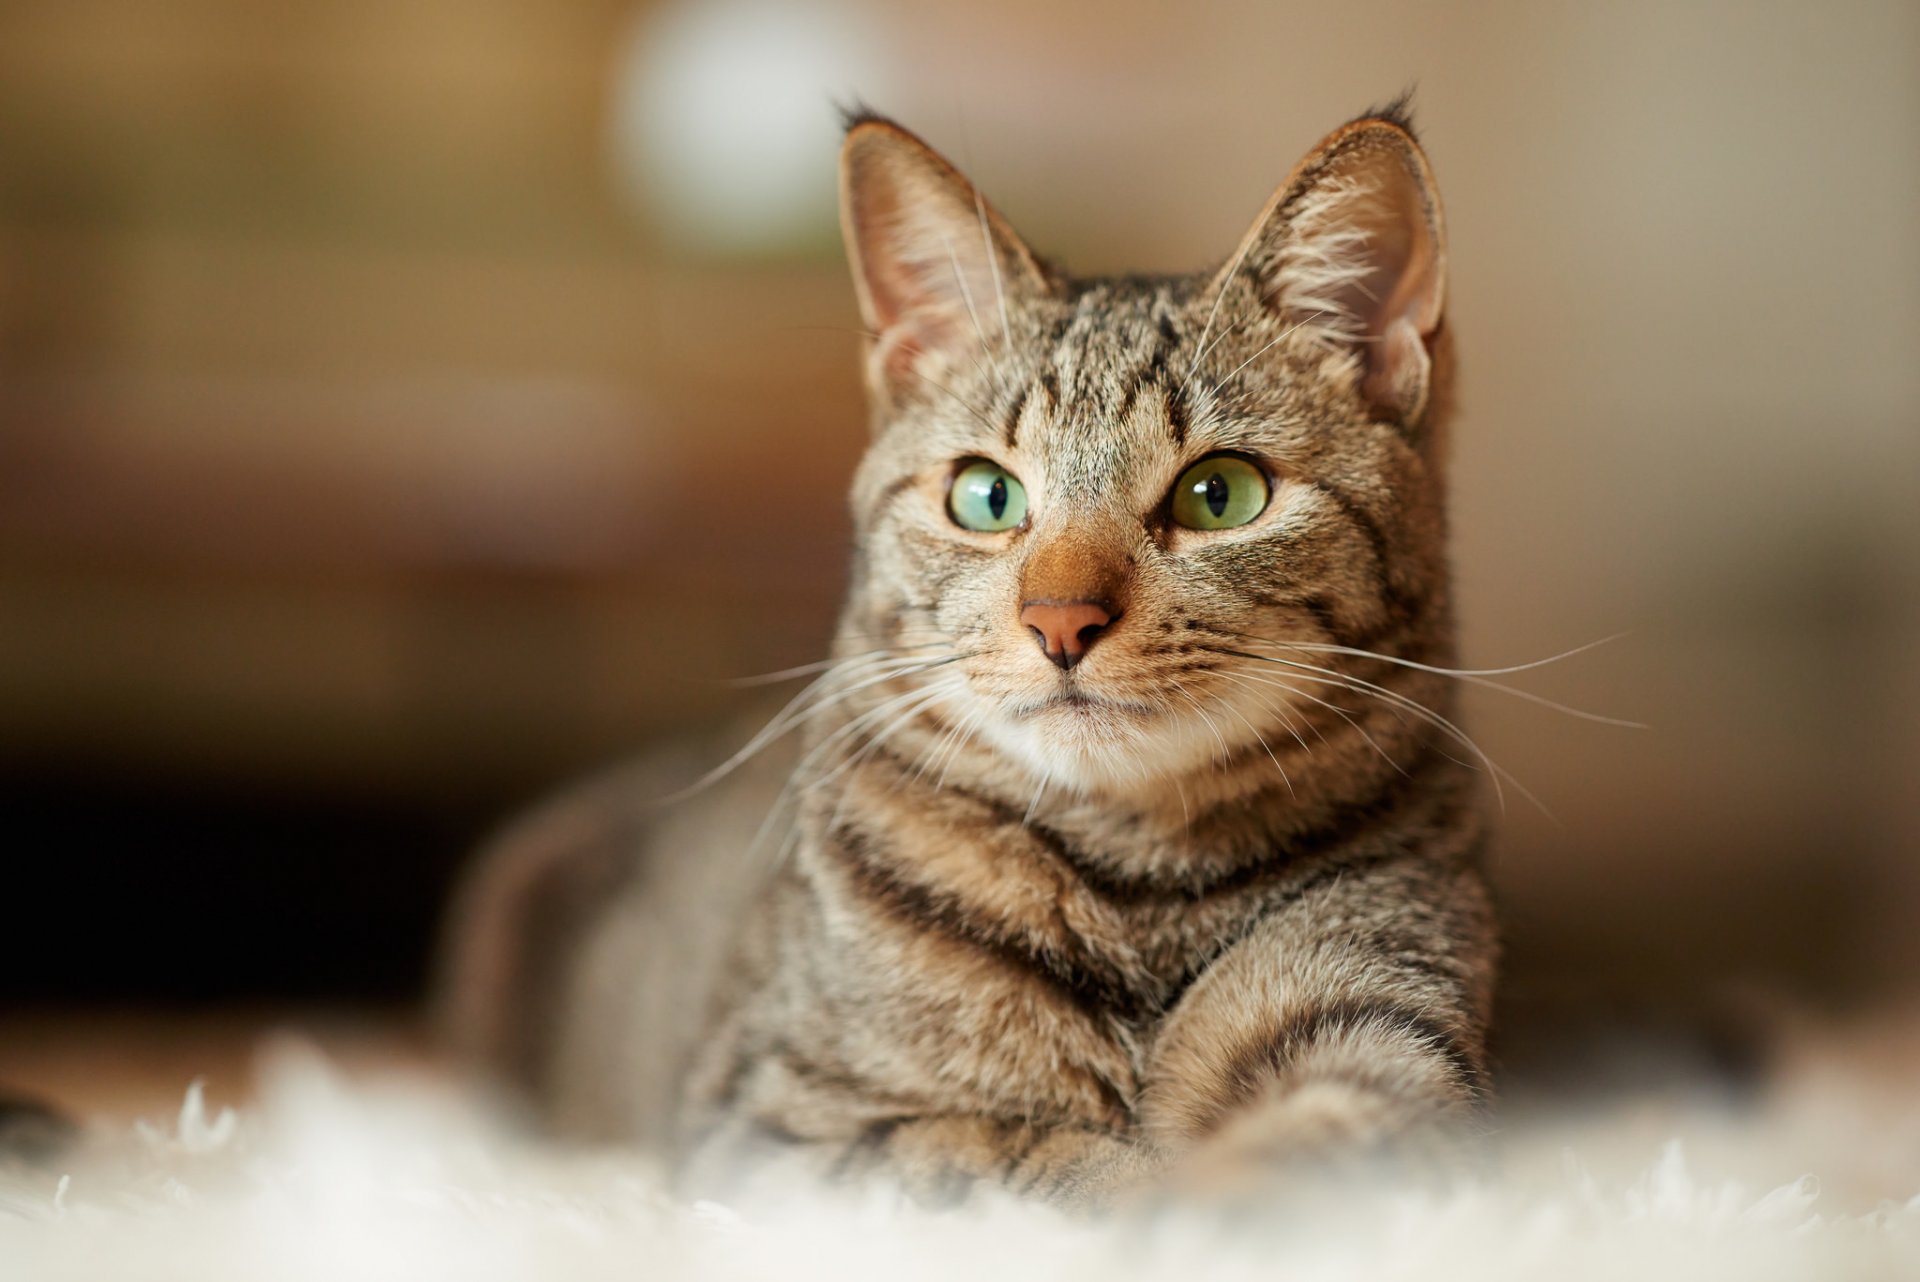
(1209, 901)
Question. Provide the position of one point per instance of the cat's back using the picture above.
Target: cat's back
(585, 942)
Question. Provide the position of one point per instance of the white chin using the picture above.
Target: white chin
(1102, 750)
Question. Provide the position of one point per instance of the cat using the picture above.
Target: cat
(1130, 839)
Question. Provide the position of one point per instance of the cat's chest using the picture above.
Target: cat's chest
(1002, 975)
(1124, 918)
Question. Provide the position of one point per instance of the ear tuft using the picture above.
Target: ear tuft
(1396, 111)
(856, 112)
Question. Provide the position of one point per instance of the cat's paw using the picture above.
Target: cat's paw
(1086, 1172)
(1311, 1156)
(942, 1162)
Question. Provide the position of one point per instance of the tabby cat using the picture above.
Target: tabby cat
(1130, 838)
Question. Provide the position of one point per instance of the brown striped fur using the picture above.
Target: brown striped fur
(1206, 904)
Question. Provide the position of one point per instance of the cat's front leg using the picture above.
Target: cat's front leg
(1341, 1041)
(946, 1160)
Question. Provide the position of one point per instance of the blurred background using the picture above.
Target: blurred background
(406, 405)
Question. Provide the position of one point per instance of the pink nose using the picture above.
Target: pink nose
(1066, 629)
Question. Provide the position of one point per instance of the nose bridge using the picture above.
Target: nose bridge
(1074, 587)
(1081, 560)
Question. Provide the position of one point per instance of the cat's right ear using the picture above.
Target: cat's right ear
(935, 266)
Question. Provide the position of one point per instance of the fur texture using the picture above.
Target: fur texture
(1202, 910)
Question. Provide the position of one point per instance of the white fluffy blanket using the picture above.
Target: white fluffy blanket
(397, 1179)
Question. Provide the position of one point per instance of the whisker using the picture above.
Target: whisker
(1239, 323)
(1046, 777)
(1286, 722)
(932, 753)
(918, 698)
(966, 294)
(1495, 771)
(1226, 283)
(793, 784)
(993, 262)
(905, 716)
(1473, 676)
(958, 399)
(1336, 709)
(784, 674)
(948, 748)
(971, 726)
(1200, 711)
(884, 670)
(1277, 340)
(814, 699)
(1331, 676)
(781, 809)
(1262, 741)
(808, 669)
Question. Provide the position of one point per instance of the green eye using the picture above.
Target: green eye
(985, 496)
(1219, 493)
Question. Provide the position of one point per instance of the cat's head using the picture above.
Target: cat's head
(1114, 504)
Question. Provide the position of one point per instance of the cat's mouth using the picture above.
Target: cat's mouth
(1076, 700)
(1081, 738)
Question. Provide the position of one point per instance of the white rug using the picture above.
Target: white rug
(396, 1179)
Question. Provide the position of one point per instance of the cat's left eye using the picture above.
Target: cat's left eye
(1220, 492)
(986, 497)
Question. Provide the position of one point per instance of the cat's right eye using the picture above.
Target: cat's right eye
(986, 497)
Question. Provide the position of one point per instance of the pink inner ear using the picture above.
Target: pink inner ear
(1409, 306)
(874, 234)
(1398, 260)
(903, 302)
(1410, 251)
(910, 339)
(1360, 259)
(1397, 371)
(933, 263)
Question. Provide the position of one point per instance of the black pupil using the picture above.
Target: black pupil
(997, 497)
(1217, 494)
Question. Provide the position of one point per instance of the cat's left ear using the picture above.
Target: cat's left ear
(934, 264)
(1353, 247)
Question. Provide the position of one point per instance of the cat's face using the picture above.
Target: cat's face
(1118, 507)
